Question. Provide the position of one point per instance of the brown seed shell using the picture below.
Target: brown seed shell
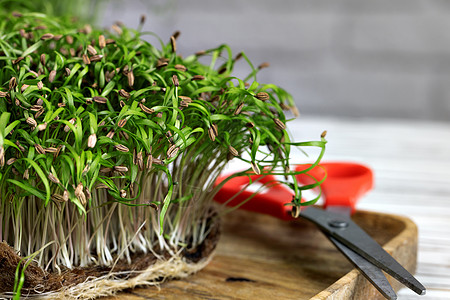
(67, 71)
(110, 41)
(96, 58)
(250, 125)
(233, 151)
(238, 109)
(53, 178)
(69, 39)
(24, 87)
(91, 50)
(263, 96)
(57, 198)
(149, 163)
(172, 151)
(110, 134)
(124, 93)
(123, 193)
(121, 169)
(279, 123)
(121, 148)
(211, 134)
(324, 134)
(122, 123)
(51, 150)
(180, 67)
(175, 80)
(3, 94)
(130, 77)
(264, 65)
(11, 161)
(12, 83)
(86, 59)
(160, 64)
(101, 41)
(99, 99)
(39, 149)
(185, 99)
(146, 109)
(47, 36)
(216, 130)
(32, 122)
(92, 140)
(40, 85)
(105, 170)
(158, 161)
(80, 194)
(117, 29)
(255, 168)
(42, 126)
(26, 174)
(198, 77)
(102, 186)
(16, 61)
(173, 43)
(140, 161)
(51, 76)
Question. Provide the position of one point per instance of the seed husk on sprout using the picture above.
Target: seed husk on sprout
(95, 58)
(101, 41)
(263, 96)
(198, 77)
(12, 83)
(121, 169)
(92, 140)
(39, 149)
(122, 123)
(130, 77)
(51, 76)
(124, 93)
(47, 36)
(233, 151)
(91, 50)
(99, 99)
(86, 59)
(121, 148)
(173, 43)
(279, 123)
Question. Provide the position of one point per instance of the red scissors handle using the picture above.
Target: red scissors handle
(344, 185)
(271, 202)
(345, 182)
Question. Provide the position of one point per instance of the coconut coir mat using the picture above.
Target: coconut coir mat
(94, 281)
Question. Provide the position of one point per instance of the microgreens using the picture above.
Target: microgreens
(108, 141)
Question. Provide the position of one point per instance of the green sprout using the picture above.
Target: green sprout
(110, 145)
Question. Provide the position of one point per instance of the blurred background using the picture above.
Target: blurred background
(348, 58)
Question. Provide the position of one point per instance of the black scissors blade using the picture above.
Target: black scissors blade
(370, 271)
(345, 231)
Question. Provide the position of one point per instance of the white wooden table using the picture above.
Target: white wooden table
(411, 163)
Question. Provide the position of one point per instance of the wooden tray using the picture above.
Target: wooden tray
(260, 257)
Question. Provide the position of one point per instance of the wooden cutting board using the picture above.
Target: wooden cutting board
(260, 257)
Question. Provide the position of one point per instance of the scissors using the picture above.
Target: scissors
(345, 183)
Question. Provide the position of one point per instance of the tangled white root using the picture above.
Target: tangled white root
(108, 285)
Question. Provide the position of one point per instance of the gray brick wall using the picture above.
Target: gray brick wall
(357, 58)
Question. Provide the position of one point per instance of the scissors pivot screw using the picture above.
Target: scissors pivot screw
(338, 224)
